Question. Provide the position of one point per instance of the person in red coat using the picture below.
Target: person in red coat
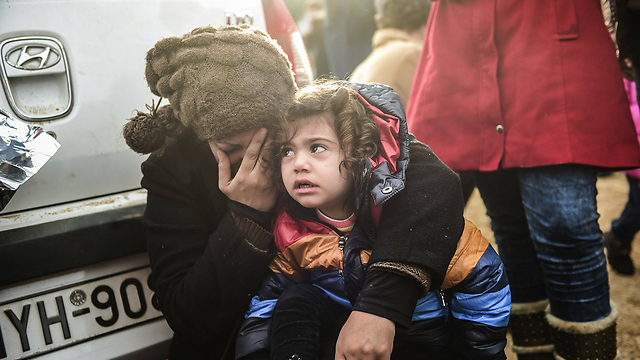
(528, 95)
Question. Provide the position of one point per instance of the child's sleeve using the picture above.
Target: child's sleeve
(420, 225)
(480, 305)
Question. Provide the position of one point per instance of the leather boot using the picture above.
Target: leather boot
(585, 340)
(530, 331)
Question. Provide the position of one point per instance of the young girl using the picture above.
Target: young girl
(344, 154)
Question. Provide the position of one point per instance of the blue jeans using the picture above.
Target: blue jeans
(628, 224)
(545, 223)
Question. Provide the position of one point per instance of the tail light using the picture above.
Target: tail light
(282, 27)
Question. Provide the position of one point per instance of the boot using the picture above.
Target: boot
(530, 331)
(585, 341)
(619, 254)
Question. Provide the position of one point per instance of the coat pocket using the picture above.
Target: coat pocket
(566, 20)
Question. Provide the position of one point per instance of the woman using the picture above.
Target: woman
(528, 96)
(208, 226)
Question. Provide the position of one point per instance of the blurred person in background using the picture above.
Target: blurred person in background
(396, 45)
(343, 38)
(623, 20)
(624, 23)
(311, 26)
(348, 28)
(624, 229)
(528, 94)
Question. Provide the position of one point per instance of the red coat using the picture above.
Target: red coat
(509, 83)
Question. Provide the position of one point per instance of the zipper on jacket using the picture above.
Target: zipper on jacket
(444, 302)
(342, 240)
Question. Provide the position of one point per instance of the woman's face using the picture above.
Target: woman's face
(234, 147)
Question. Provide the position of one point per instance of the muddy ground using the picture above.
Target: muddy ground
(625, 290)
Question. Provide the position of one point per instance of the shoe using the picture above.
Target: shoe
(618, 253)
(593, 340)
(530, 331)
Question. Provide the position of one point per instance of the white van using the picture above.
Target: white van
(73, 267)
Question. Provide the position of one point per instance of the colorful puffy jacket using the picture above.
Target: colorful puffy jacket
(475, 296)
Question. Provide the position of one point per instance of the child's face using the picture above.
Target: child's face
(311, 167)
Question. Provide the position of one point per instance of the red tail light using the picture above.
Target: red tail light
(282, 27)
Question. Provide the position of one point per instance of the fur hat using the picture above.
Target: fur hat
(219, 81)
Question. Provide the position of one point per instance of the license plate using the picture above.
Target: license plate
(49, 321)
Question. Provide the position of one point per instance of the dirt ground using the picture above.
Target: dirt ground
(625, 290)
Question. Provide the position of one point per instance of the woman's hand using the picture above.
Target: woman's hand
(365, 337)
(250, 186)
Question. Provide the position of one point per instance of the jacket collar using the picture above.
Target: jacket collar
(385, 176)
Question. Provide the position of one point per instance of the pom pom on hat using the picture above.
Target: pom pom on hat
(147, 132)
(143, 134)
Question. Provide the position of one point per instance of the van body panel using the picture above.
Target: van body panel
(106, 63)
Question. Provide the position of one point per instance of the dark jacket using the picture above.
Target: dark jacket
(205, 273)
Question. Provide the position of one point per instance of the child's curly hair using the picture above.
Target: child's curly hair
(356, 130)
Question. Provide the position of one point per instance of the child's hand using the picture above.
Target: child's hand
(365, 337)
(251, 185)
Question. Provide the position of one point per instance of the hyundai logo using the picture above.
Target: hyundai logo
(33, 57)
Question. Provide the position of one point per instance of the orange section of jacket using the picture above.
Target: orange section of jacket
(313, 251)
(471, 247)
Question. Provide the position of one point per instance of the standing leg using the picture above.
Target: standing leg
(467, 183)
(500, 191)
(560, 204)
(623, 230)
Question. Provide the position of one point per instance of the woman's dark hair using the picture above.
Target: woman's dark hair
(355, 128)
(403, 14)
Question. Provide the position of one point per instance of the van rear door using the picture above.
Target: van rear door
(90, 82)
